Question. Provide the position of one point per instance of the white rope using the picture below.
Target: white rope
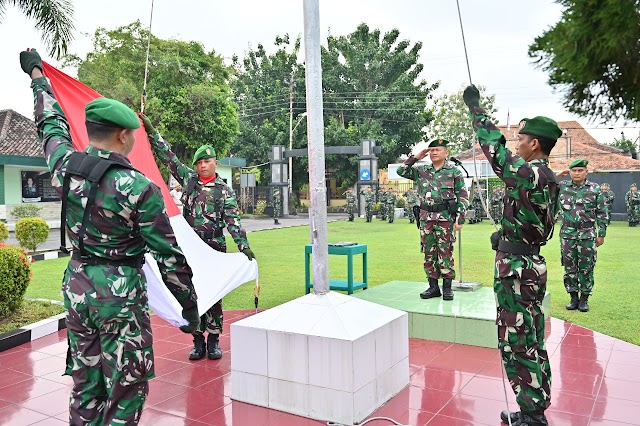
(484, 205)
(146, 65)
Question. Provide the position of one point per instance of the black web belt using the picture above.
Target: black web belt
(210, 235)
(436, 208)
(581, 225)
(133, 262)
(518, 248)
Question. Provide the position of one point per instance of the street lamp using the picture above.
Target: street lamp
(291, 130)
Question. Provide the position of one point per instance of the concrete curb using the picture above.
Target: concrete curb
(31, 332)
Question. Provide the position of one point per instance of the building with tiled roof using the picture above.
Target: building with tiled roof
(18, 135)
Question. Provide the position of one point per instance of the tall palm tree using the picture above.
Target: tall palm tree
(53, 17)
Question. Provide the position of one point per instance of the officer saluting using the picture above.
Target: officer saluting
(530, 210)
(113, 215)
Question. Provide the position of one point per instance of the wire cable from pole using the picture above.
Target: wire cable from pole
(143, 100)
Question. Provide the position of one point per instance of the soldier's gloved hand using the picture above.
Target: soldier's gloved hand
(249, 253)
(30, 59)
(191, 315)
(471, 96)
(148, 127)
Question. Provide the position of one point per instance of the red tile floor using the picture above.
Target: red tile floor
(595, 382)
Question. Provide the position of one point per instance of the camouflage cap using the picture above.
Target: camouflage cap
(438, 142)
(633, 185)
(540, 126)
(205, 151)
(578, 163)
(112, 113)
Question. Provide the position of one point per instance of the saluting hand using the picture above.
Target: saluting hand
(422, 154)
(563, 173)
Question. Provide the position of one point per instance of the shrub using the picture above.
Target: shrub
(31, 232)
(15, 274)
(28, 210)
(4, 232)
(260, 206)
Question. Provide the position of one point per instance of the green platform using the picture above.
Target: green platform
(468, 319)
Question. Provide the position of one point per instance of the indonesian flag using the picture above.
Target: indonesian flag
(214, 274)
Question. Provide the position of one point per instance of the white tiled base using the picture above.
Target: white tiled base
(331, 357)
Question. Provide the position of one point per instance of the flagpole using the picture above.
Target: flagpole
(143, 100)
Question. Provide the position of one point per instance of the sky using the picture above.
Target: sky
(497, 32)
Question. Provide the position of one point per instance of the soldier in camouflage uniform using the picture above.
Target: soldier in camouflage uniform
(520, 277)
(382, 203)
(632, 200)
(390, 202)
(582, 209)
(110, 353)
(209, 206)
(351, 203)
(476, 206)
(609, 198)
(277, 205)
(412, 200)
(367, 193)
(443, 199)
(496, 203)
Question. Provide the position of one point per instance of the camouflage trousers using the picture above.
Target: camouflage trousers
(391, 212)
(110, 355)
(383, 211)
(496, 212)
(608, 208)
(437, 244)
(351, 209)
(211, 321)
(579, 260)
(412, 217)
(277, 206)
(633, 214)
(368, 211)
(520, 283)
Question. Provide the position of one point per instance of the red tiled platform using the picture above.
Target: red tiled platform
(595, 383)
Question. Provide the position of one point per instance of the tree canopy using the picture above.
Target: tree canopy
(53, 17)
(188, 97)
(451, 119)
(593, 55)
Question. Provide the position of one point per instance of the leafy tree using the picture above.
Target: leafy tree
(188, 97)
(451, 119)
(53, 17)
(372, 90)
(625, 144)
(593, 55)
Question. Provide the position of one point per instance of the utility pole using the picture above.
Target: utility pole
(290, 186)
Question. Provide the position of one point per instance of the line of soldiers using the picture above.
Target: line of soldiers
(632, 200)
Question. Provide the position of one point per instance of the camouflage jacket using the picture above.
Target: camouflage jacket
(581, 209)
(210, 207)
(128, 217)
(632, 198)
(496, 198)
(609, 197)
(412, 198)
(437, 187)
(530, 207)
(368, 196)
(390, 199)
(351, 197)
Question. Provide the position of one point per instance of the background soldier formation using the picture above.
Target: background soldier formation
(209, 206)
(412, 200)
(497, 203)
(277, 205)
(351, 203)
(632, 199)
(476, 206)
(582, 207)
(368, 195)
(443, 201)
(390, 204)
(110, 354)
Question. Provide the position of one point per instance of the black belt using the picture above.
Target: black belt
(133, 262)
(435, 208)
(518, 248)
(210, 235)
(581, 225)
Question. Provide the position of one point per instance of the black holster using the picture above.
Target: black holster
(495, 239)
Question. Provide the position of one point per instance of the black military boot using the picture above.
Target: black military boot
(213, 347)
(275, 222)
(530, 420)
(504, 416)
(447, 293)
(432, 291)
(350, 218)
(198, 347)
(583, 305)
(573, 305)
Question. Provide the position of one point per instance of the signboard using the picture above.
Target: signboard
(365, 174)
(36, 187)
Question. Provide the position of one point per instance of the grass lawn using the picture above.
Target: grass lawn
(31, 311)
(394, 254)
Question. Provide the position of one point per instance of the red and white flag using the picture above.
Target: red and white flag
(214, 274)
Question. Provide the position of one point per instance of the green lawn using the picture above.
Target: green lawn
(394, 254)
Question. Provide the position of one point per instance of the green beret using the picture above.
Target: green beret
(540, 126)
(112, 113)
(438, 142)
(578, 163)
(205, 151)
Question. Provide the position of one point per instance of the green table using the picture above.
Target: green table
(349, 285)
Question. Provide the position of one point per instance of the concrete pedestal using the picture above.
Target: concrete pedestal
(332, 357)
